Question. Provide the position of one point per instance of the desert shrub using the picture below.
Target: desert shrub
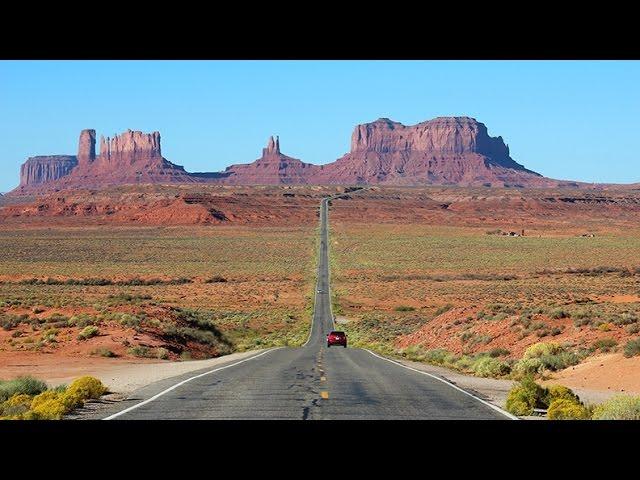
(498, 352)
(490, 367)
(559, 361)
(140, 351)
(72, 399)
(162, 353)
(104, 352)
(557, 392)
(526, 396)
(83, 320)
(605, 326)
(625, 319)
(18, 404)
(215, 279)
(88, 332)
(605, 344)
(25, 384)
(633, 329)
(539, 349)
(404, 308)
(443, 309)
(88, 387)
(565, 409)
(632, 348)
(127, 298)
(620, 407)
(528, 366)
(8, 322)
(44, 397)
(60, 388)
(581, 322)
(129, 320)
(51, 409)
(466, 336)
(559, 313)
(438, 356)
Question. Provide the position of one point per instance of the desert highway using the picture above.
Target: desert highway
(311, 382)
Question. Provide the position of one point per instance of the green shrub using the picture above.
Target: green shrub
(621, 407)
(605, 344)
(557, 392)
(632, 348)
(528, 366)
(404, 308)
(539, 349)
(25, 384)
(9, 322)
(566, 409)
(559, 361)
(104, 352)
(140, 351)
(559, 313)
(526, 396)
(83, 320)
(490, 367)
(498, 352)
(88, 332)
(438, 356)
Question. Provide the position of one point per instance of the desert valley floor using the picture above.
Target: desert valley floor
(436, 274)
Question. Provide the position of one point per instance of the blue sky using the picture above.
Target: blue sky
(576, 120)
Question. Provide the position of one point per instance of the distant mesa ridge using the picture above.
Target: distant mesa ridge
(441, 151)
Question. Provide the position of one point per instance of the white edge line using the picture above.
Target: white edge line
(158, 395)
(491, 405)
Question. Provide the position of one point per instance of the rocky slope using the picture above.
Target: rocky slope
(442, 151)
(272, 168)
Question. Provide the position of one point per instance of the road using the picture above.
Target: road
(312, 382)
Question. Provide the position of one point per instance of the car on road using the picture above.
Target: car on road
(337, 338)
(320, 291)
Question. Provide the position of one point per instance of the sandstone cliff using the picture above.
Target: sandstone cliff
(42, 169)
(442, 151)
(445, 150)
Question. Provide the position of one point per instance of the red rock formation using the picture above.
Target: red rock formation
(442, 151)
(130, 147)
(132, 157)
(445, 150)
(39, 170)
(86, 148)
(272, 168)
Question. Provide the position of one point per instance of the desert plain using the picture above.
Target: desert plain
(91, 279)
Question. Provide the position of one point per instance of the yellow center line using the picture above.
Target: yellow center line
(324, 395)
(323, 378)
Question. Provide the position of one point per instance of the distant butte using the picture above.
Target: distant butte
(442, 151)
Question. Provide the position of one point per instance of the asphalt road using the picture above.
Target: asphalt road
(312, 382)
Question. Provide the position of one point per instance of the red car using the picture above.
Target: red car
(337, 338)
